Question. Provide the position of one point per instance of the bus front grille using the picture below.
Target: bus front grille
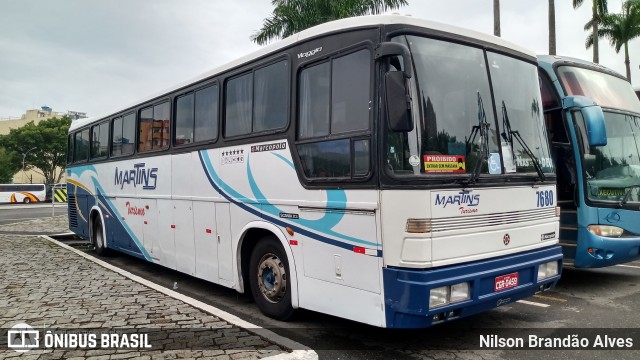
(478, 221)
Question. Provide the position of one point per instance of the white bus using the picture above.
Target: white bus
(384, 169)
(22, 193)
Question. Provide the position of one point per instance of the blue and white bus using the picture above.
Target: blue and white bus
(593, 120)
(383, 169)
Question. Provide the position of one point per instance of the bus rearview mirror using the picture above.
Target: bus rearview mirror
(595, 123)
(593, 118)
(398, 102)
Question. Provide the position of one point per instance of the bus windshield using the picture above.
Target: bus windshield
(454, 103)
(606, 90)
(612, 172)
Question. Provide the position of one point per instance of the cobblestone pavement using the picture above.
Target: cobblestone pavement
(49, 225)
(43, 284)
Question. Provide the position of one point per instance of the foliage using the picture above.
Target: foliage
(43, 147)
(292, 16)
(8, 165)
(619, 29)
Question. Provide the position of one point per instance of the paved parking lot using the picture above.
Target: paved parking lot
(50, 287)
(595, 301)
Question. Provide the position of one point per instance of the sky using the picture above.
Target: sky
(96, 56)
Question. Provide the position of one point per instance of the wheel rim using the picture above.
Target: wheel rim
(99, 240)
(27, 200)
(272, 278)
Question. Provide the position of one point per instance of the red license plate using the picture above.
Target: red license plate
(506, 282)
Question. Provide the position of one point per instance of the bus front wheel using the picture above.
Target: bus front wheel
(26, 200)
(269, 279)
(97, 237)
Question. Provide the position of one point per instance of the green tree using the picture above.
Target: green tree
(599, 8)
(496, 17)
(8, 165)
(43, 147)
(292, 16)
(619, 29)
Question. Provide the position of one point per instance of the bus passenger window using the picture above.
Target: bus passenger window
(99, 140)
(184, 120)
(81, 145)
(333, 99)
(116, 137)
(239, 93)
(350, 92)
(128, 134)
(206, 114)
(271, 91)
(314, 101)
(154, 128)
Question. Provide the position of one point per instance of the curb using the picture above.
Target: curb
(305, 354)
(42, 205)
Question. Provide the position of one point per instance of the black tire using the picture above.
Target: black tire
(26, 200)
(97, 238)
(269, 279)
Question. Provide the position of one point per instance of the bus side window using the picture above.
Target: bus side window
(334, 99)
(81, 145)
(154, 128)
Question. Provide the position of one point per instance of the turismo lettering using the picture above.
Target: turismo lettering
(462, 198)
(134, 210)
(137, 176)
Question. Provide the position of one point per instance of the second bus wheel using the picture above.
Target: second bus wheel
(97, 237)
(269, 278)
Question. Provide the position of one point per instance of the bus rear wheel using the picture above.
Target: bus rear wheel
(97, 237)
(26, 200)
(269, 279)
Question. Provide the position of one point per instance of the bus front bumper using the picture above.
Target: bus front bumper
(407, 291)
(605, 251)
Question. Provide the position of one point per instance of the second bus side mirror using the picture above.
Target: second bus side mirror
(593, 118)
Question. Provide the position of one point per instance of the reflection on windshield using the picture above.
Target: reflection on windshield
(606, 90)
(612, 169)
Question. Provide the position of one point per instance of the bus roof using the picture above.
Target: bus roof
(342, 24)
(551, 60)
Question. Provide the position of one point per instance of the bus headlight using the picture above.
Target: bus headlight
(460, 292)
(605, 230)
(438, 297)
(547, 270)
(450, 294)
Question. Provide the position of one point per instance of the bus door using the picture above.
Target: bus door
(564, 156)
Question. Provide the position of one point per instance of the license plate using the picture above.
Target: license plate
(506, 282)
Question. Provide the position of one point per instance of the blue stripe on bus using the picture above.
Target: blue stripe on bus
(108, 205)
(276, 221)
(337, 199)
(285, 160)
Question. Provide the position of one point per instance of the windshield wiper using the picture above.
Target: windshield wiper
(483, 129)
(508, 136)
(627, 195)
